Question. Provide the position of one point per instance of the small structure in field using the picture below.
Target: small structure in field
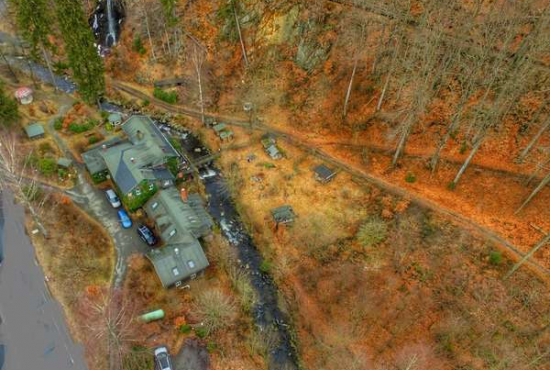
(35, 131)
(270, 146)
(283, 215)
(323, 174)
(24, 95)
(64, 162)
(115, 119)
(222, 131)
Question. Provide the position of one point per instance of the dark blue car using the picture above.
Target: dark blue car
(124, 219)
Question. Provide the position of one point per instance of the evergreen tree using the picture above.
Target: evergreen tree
(34, 21)
(84, 60)
(8, 108)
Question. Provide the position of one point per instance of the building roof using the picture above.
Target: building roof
(177, 262)
(34, 130)
(188, 219)
(226, 134)
(324, 172)
(115, 118)
(283, 214)
(142, 128)
(219, 127)
(64, 162)
(130, 164)
(273, 151)
(180, 224)
(93, 158)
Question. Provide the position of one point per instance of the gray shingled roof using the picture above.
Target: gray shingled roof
(177, 262)
(283, 214)
(324, 172)
(139, 128)
(170, 213)
(93, 158)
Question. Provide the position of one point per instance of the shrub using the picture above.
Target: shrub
(99, 177)
(145, 103)
(47, 166)
(45, 147)
(173, 165)
(372, 232)
(216, 310)
(79, 128)
(211, 347)
(410, 178)
(58, 124)
(92, 140)
(201, 332)
(495, 258)
(265, 267)
(62, 173)
(137, 46)
(165, 96)
(185, 329)
(109, 126)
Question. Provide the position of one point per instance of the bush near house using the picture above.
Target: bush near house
(99, 177)
(133, 201)
(173, 165)
(165, 96)
(78, 128)
(46, 166)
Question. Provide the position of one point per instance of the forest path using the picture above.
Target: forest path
(313, 149)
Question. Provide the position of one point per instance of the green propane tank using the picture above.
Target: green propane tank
(152, 316)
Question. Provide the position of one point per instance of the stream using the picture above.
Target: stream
(106, 23)
(266, 312)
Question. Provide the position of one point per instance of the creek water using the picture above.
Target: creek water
(106, 23)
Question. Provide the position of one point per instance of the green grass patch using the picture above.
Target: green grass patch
(410, 178)
(47, 166)
(201, 332)
(167, 97)
(495, 258)
(58, 124)
(185, 329)
(265, 267)
(372, 232)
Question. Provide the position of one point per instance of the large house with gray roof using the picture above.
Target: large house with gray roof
(180, 221)
(140, 157)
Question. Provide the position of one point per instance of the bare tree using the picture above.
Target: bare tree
(197, 57)
(17, 177)
(110, 321)
(544, 241)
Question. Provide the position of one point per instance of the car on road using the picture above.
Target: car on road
(206, 173)
(112, 198)
(124, 219)
(162, 359)
(147, 235)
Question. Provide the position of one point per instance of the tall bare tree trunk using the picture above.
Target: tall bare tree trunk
(539, 187)
(545, 240)
(348, 93)
(49, 65)
(534, 140)
(467, 162)
(245, 58)
(153, 53)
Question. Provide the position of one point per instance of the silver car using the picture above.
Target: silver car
(162, 359)
(112, 198)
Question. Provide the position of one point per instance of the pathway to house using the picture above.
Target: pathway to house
(94, 201)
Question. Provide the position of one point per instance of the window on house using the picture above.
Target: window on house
(175, 271)
(172, 233)
(155, 205)
(191, 264)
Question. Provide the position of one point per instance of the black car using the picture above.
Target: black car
(147, 235)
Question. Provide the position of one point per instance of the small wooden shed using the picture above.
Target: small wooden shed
(35, 131)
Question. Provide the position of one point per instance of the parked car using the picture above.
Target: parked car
(147, 235)
(206, 173)
(112, 197)
(162, 359)
(124, 219)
